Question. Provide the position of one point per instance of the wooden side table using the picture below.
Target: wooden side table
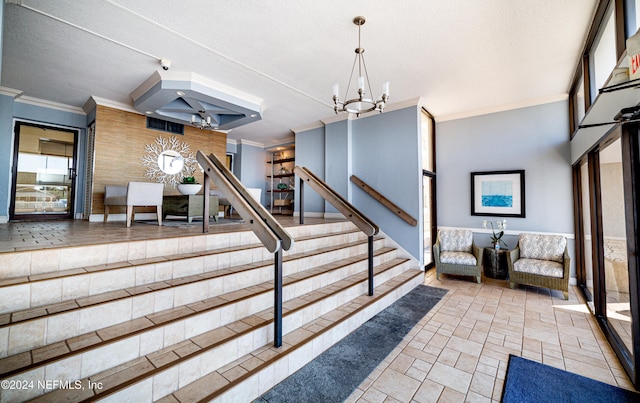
(494, 262)
(189, 206)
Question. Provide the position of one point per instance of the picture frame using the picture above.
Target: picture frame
(498, 193)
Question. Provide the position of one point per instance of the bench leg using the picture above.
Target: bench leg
(106, 213)
(159, 213)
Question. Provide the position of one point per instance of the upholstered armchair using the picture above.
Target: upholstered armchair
(144, 194)
(541, 261)
(455, 253)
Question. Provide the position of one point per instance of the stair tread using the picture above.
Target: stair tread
(11, 365)
(244, 366)
(138, 369)
(15, 317)
(51, 275)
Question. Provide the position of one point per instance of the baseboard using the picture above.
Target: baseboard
(122, 217)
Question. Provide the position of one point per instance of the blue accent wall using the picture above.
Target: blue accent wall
(249, 167)
(534, 139)
(386, 155)
(384, 151)
(310, 153)
(6, 138)
(337, 151)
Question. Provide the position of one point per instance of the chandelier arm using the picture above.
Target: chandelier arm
(350, 77)
(366, 74)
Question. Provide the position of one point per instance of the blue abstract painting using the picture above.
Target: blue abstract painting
(497, 194)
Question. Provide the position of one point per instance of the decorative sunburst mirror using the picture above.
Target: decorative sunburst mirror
(168, 160)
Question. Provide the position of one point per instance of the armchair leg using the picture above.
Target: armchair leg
(478, 279)
(106, 213)
(565, 294)
(129, 215)
(437, 276)
(159, 213)
(512, 285)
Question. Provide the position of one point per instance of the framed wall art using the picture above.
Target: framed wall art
(498, 193)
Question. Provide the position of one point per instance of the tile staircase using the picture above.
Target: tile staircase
(184, 319)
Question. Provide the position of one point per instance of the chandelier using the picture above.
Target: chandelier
(201, 122)
(361, 103)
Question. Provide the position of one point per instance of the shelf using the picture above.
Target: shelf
(282, 161)
(281, 200)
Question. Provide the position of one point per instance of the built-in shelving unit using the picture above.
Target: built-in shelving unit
(281, 182)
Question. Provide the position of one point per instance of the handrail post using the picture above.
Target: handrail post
(277, 303)
(301, 187)
(205, 205)
(370, 265)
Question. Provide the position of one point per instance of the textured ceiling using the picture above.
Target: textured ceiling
(460, 56)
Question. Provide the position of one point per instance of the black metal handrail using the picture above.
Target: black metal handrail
(272, 235)
(343, 206)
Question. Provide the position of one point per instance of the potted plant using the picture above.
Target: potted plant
(189, 185)
(496, 238)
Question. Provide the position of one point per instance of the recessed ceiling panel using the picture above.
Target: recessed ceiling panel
(188, 98)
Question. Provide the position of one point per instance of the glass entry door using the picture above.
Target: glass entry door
(614, 243)
(43, 172)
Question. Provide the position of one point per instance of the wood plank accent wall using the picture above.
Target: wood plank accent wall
(120, 144)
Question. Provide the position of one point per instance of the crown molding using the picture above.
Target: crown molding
(289, 142)
(503, 108)
(49, 104)
(315, 125)
(111, 104)
(10, 92)
(250, 143)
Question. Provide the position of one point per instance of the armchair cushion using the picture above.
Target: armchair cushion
(455, 253)
(542, 247)
(458, 258)
(540, 267)
(457, 241)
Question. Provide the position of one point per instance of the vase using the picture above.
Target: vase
(497, 246)
(189, 188)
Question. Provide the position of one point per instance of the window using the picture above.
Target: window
(159, 124)
(602, 57)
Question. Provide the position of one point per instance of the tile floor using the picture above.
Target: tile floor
(459, 351)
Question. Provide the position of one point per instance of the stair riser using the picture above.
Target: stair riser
(39, 332)
(264, 380)
(117, 353)
(39, 293)
(28, 263)
(188, 371)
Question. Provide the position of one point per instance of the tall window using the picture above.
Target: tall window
(427, 131)
(602, 58)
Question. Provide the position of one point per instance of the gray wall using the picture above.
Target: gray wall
(534, 139)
